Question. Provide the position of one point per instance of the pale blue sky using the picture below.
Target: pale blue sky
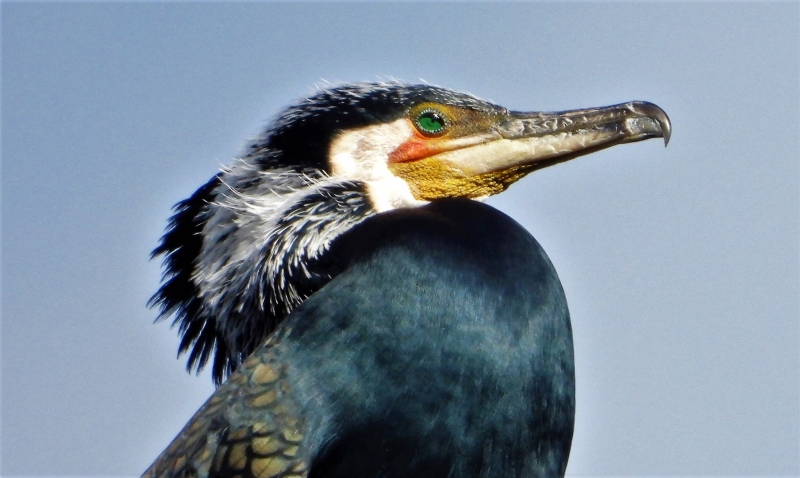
(680, 265)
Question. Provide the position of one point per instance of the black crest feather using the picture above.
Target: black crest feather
(179, 295)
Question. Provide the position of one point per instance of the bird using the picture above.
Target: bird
(364, 313)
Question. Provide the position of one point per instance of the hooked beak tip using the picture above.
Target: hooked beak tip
(656, 114)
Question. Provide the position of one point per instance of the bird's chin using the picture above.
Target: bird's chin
(433, 178)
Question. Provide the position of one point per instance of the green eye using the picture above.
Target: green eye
(431, 121)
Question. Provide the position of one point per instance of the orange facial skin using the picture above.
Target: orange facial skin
(416, 148)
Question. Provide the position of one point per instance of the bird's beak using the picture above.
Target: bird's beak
(518, 143)
(541, 139)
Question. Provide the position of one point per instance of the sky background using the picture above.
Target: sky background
(680, 265)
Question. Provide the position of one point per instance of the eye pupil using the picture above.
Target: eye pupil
(431, 122)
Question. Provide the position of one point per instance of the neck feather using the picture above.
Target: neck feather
(264, 235)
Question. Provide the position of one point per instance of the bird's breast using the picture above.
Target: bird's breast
(416, 348)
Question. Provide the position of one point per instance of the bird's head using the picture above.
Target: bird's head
(250, 245)
(413, 143)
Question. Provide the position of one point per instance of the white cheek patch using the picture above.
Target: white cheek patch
(363, 154)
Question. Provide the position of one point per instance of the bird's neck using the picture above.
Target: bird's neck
(264, 246)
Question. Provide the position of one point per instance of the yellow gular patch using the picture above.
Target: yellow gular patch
(432, 178)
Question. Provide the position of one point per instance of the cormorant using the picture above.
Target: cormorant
(375, 320)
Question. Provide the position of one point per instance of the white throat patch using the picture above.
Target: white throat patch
(362, 155)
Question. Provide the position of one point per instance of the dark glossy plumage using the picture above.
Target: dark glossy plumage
(442, 349)
(454, 327)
